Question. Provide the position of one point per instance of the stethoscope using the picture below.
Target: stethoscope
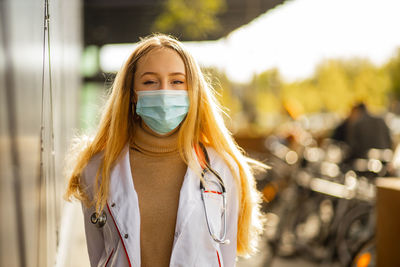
(222, 239)
(100, 219)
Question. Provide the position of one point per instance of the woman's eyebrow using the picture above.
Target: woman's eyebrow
(154, 73)
(177, 73)
(148, 73)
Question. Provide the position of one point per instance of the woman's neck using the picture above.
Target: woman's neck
(151, 143)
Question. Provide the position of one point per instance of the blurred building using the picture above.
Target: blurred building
(30, 200)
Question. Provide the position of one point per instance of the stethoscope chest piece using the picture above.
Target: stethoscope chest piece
(99, 220)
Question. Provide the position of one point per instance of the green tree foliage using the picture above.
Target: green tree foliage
(335, 86)
(341, 83)
(393, 70)
(265, 91)
(193, 18)
(301, 96)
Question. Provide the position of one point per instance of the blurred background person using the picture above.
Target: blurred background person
(362, 131)
(340, 133)
(366, 131)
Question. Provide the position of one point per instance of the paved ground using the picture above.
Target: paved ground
(262, 259)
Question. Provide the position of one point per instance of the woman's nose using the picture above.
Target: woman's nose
(164, 84)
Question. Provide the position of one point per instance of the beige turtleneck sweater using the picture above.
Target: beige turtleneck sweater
(158, 172)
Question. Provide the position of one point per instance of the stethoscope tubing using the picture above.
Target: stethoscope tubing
(220, 182)
(221, 240)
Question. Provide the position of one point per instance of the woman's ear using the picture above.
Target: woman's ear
(133, 95)
(133, 101)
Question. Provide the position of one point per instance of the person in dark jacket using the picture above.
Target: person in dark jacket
(365, 132)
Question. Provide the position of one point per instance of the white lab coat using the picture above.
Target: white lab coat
(118, 242)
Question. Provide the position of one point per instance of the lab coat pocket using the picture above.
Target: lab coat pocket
(210, 257)
(106, 258)
(109, 258)
(112, 246)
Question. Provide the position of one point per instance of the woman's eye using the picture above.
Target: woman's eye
(149, 82)
(177, 82)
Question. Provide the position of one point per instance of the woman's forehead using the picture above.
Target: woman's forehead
(160, 60)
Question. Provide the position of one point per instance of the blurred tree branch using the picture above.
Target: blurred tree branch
(191, 18)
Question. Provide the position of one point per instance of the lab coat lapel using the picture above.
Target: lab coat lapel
(124, 208)
(189, 202)
(188, 198)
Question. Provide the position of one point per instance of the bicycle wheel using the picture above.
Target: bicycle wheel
(366, 255)
(310, 229)
(356, 227)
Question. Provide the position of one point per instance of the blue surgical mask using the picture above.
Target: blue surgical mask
(162, 110)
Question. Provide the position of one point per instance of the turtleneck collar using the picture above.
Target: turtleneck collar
(150, 143)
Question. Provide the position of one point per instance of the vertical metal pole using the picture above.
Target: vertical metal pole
(12, 128)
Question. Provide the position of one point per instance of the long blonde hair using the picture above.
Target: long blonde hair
(203, 124)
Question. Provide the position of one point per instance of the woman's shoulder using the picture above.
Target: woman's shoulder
(221, 158)
(221, 162)
(90, 171)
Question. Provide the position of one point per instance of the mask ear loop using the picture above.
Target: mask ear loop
(133, 100)
(134, 118)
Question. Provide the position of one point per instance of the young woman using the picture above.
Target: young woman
(162, 182)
